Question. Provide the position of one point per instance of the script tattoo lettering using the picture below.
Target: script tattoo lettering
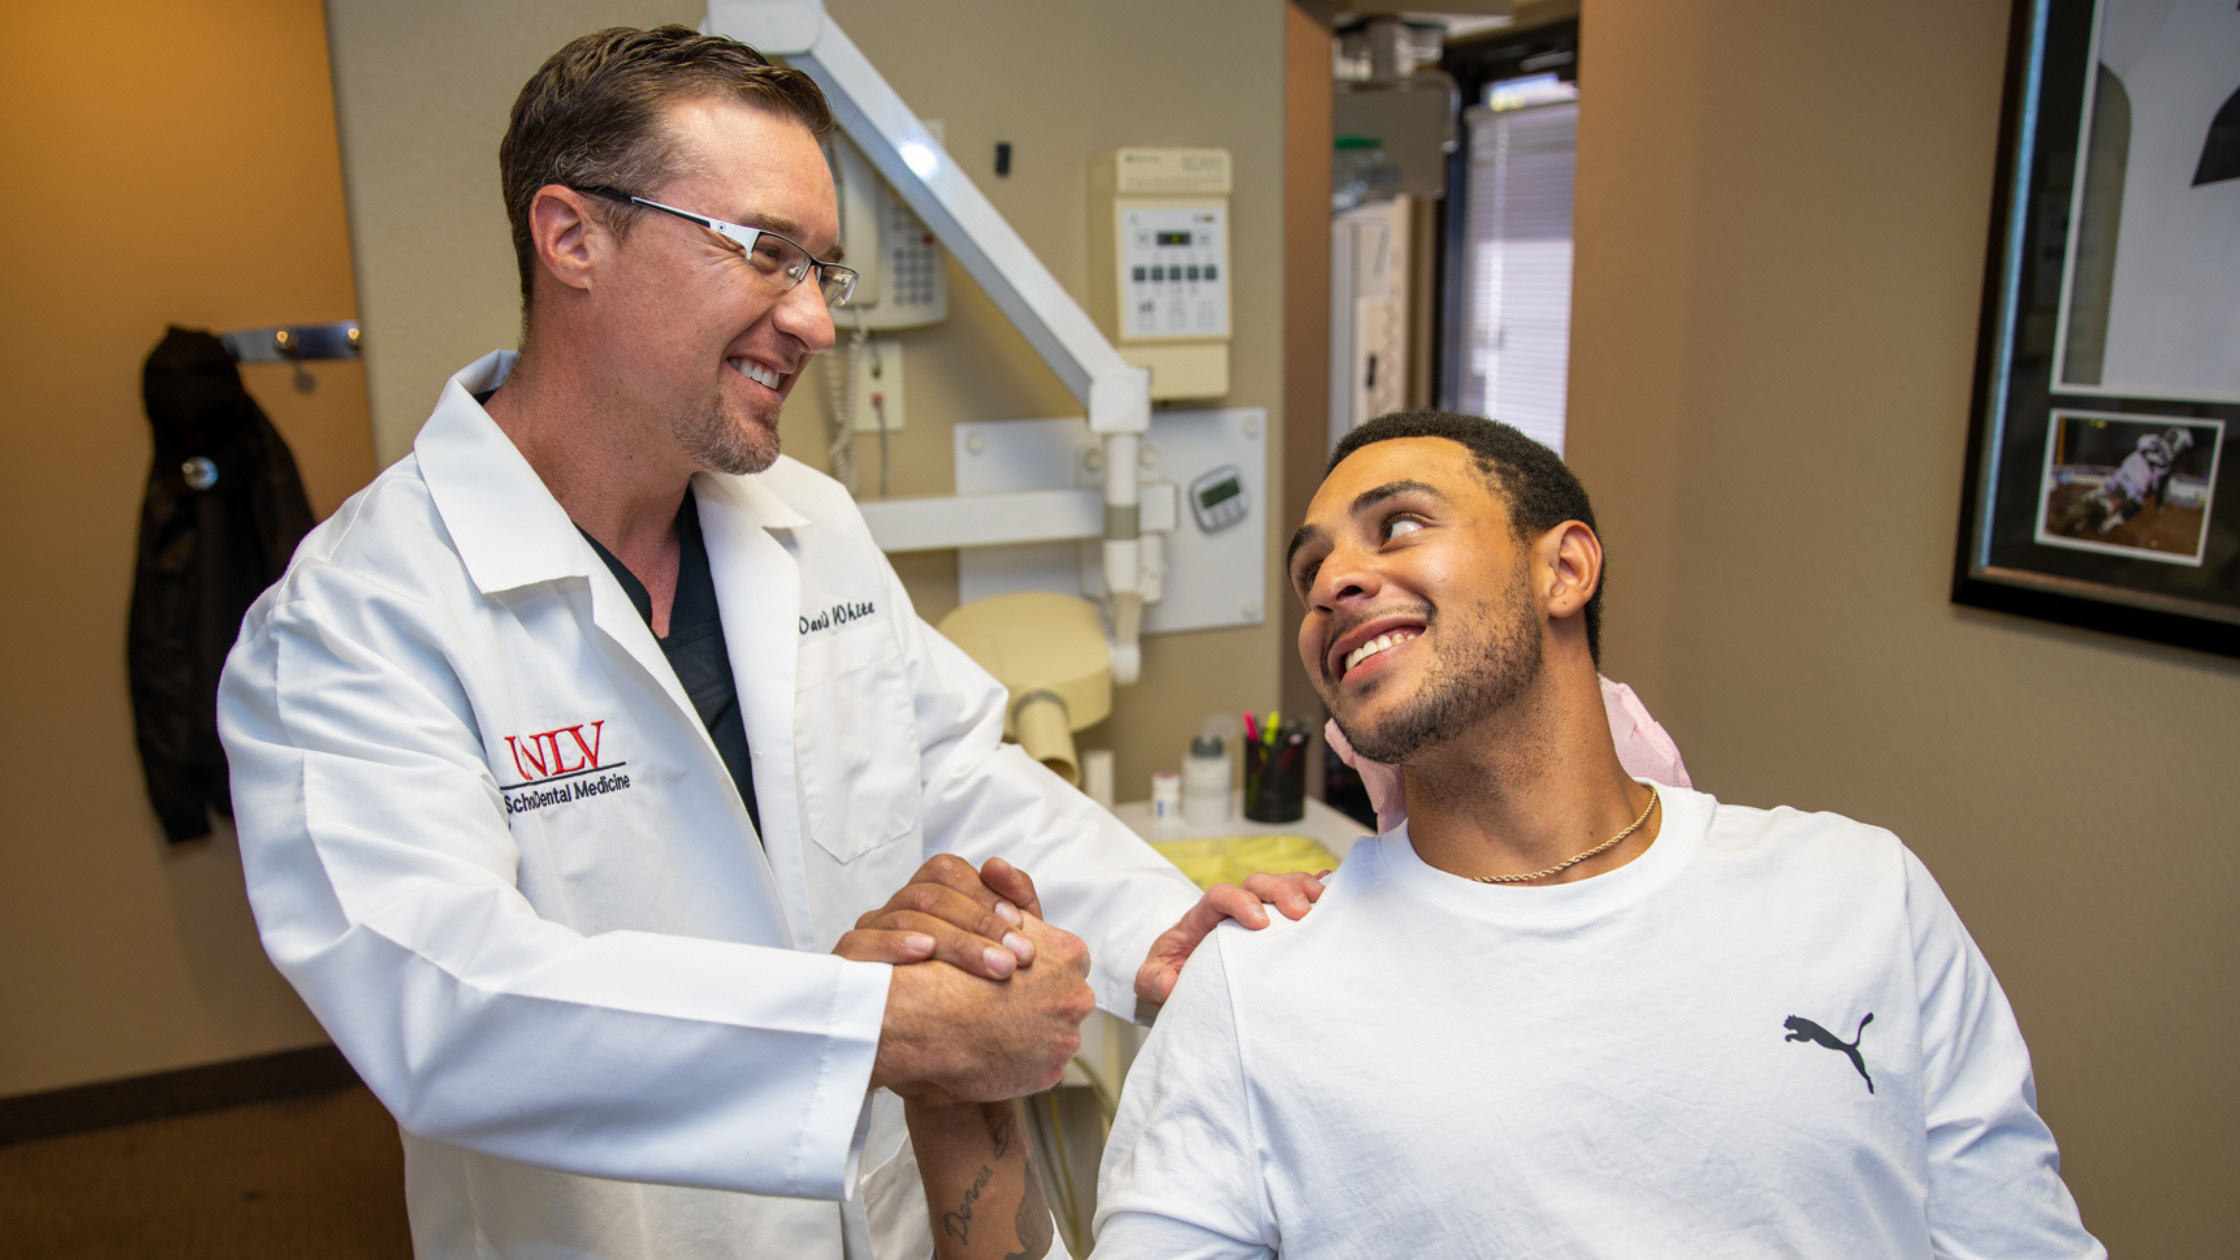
(1002, 1130)
(958, 1224)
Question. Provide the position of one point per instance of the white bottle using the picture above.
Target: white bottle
(1205, 784)
(1166, 798)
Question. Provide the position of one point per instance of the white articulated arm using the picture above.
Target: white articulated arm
(1116, 394)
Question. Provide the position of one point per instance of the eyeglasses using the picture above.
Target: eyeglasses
(783, 262)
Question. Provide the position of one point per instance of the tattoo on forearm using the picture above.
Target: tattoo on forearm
(1033, 1222)
(958, 1224)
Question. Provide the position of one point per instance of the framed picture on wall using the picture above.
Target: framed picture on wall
(2097, 489)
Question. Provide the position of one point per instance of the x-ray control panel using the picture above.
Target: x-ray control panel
(1159, 264)
(1175, 260)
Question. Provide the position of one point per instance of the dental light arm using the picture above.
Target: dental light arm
(1116, 395)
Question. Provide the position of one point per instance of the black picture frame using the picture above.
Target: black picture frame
(2065, 382)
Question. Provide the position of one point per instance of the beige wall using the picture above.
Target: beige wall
(1782, 220)
(423, 88)
(1309, 125)
(187, 173)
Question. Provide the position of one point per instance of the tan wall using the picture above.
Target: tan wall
(1782, 220)
(1309, 125)
(167, 163)
(424, 87)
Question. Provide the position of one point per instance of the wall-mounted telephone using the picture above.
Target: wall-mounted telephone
(902, 282)
(904, 276)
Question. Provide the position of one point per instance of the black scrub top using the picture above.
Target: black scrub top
(695, 646)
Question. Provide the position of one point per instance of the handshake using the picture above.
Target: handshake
(984, 1006)
(987, 999)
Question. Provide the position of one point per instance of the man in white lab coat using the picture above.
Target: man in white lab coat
(567, 755)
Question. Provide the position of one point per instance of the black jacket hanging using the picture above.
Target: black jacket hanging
(224, 511)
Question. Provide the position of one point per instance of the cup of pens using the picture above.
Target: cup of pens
(1275, 770)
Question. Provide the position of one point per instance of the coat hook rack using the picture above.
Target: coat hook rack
(294, 343)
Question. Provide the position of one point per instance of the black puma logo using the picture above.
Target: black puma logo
(1802, 1029)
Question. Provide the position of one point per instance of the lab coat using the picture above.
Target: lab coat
(488, 840)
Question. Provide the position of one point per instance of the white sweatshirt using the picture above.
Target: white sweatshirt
(1658, 1061)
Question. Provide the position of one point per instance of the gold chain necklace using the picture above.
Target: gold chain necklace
(1568, 863)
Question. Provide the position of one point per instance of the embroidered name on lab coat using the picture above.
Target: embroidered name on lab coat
(561, 765)
(837, 615)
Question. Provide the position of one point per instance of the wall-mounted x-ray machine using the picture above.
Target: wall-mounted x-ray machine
(1205, 482)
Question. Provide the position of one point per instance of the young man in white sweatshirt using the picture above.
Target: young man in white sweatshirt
(1561, 1011)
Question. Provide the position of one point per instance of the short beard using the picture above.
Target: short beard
(716, 442)
(1477, 682)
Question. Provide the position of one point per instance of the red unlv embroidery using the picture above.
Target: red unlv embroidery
(559, 766)
(561, 751)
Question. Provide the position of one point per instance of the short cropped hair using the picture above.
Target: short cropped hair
(1540, 490)
(587, 118)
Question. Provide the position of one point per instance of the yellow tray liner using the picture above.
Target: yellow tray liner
(1230, 859)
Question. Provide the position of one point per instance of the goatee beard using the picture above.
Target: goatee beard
(1461, 693)
(718, 443)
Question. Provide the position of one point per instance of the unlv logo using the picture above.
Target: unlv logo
(561, 751)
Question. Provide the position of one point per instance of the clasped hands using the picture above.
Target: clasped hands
(987, 999)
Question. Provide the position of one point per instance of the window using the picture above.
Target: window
(1511, 345)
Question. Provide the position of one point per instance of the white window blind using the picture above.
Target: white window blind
(1516, 302)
